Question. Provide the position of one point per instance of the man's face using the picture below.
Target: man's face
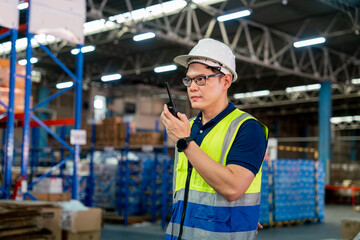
(204, 97)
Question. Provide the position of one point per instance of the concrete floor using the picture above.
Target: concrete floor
(329, 230)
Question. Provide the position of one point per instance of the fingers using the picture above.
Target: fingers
(182, 117)
(167, 113)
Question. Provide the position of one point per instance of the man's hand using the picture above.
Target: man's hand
(176, 128)
(259, 226)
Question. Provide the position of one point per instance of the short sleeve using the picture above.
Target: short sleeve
(249, 147)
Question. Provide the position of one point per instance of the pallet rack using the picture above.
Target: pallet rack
(28, 115)
(123, 178)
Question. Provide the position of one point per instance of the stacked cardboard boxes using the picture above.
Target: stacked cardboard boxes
(78, 225)
(112, 132)
(19, 86)
(50, 189)
(146, 138)
(51, 197)
(49, 185)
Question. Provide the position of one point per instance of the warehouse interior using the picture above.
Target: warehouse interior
(82, 93)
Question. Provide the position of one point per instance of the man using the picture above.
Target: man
(217, 175)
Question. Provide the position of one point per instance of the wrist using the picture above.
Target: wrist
(183, 143)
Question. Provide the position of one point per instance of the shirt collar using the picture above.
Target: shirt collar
(230, 107)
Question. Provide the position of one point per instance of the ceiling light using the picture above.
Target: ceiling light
(308, 42)
(23, 62)
(304, 88)
(261, 93)
(345, 119)
(151, 12)
(166, 68)
(355, 81)
(143, 36)
(84, 49)
(64, 85)
(234, 15)
(23, 6)
(111, 77)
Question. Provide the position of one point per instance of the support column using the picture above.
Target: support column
(325, 112)
(9, 139)
(25, 148)
(43, 93)
(78, 107)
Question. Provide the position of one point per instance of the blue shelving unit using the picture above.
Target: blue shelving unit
(135, 188)
(28, 114)
(265, 194)
(8, 146)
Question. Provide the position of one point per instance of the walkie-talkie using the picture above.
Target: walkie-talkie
(171, 105)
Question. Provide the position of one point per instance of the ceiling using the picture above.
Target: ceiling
(262, 43)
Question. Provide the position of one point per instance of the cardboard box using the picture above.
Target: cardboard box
(51, 197)
(19, 103)
(49, 185)
(5, 74)
(82, 221)
(350, 228)
(93, 235)
(52, 218)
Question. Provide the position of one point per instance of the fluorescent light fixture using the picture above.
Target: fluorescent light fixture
(234, 15)
(23, 6)
(345, 119)
(355, 81)
(261, 93)
(84, 49)
(64, 85)
(111, 77)
(166, 68)
(23, 62)
(304, 88)
(143, 36)
(308, 42)
(151, 12)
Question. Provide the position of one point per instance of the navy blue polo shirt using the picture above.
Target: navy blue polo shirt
(249, 145)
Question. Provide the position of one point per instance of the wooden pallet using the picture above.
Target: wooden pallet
(114, 218)
(296, 222)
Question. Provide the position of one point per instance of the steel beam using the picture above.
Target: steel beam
(9, 141)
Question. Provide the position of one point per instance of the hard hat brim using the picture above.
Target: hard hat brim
(184, 59)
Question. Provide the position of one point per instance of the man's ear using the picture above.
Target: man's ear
(227, 80)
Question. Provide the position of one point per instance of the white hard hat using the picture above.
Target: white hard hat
(209, 49)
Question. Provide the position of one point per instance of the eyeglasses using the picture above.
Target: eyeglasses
(199, 80)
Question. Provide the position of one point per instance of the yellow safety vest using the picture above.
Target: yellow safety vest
(208, 214)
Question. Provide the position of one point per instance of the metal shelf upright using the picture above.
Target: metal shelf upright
(164, 182)
(10, 113)
(28, 114)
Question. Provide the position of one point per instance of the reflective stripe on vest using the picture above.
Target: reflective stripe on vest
(209, 214)
(198, 234)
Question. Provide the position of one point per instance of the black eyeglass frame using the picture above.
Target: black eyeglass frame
(189, 80)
